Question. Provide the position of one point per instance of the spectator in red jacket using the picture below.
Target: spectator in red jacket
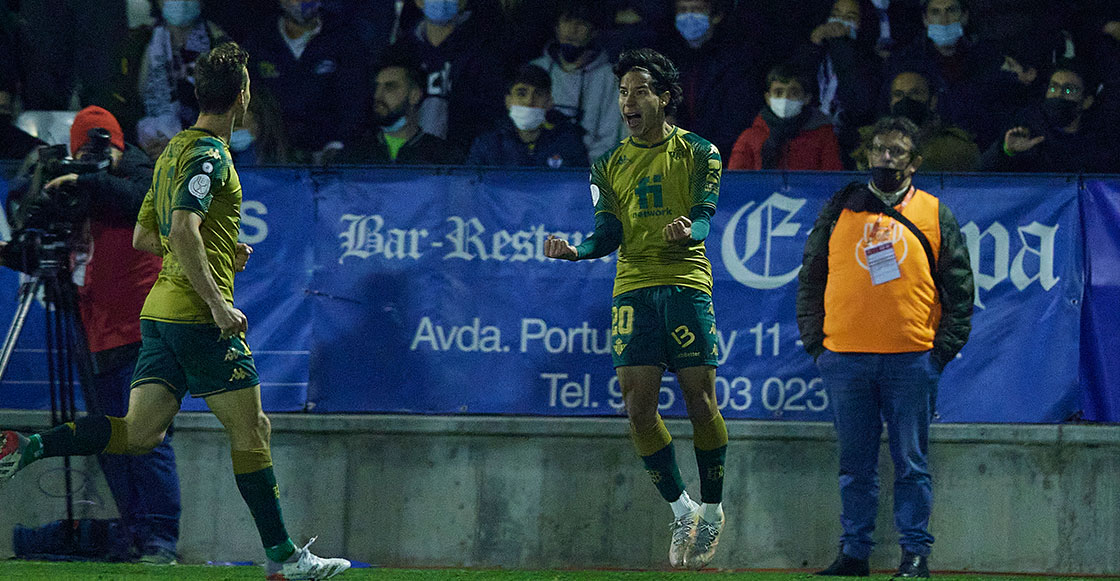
(789, 133)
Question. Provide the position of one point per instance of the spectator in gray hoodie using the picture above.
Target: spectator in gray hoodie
(584, 87)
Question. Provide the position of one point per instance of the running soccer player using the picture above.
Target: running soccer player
(654, 196)
(193, 337)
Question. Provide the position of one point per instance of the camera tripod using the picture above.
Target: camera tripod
(46, 258)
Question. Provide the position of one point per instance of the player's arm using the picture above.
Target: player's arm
(607, 236)
(146, 240)
(704, 183)
(604, 240)
(186, 242)
(145, 235)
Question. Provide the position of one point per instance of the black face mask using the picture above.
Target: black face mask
(912, 109)
(1060, 112)
(569, 52)
(887, 179)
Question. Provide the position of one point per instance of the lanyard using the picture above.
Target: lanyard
(876, 233)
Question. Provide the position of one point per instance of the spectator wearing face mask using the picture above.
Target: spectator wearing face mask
(944, 147)
(397, 94)
(459, 55)
(166, 80)
(317, 64)
(584, 87)
(788, 133)
(964, 72)
(526, 137)
(262, 138)
(1057, 134)
(718, 73)
(841, 52)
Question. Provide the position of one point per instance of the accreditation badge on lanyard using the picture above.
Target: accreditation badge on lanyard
(879, 252)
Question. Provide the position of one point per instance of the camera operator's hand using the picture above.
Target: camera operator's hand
(241, 256)
(68, 180)
(230, 320)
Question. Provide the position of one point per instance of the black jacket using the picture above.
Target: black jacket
(115, 196)
(952, 277)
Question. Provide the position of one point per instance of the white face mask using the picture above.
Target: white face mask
(526, 118)
(851, 24)
(786, 108)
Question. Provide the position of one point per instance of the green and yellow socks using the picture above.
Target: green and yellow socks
(252, 469)
(84, 436)
(655, 446)
(710, 445)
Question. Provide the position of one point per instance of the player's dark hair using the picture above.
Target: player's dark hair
(664, 73)
(902, 125)
(533, 76)
(219, 77)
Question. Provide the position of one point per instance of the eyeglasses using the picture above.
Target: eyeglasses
(878, 149)
(1067, 89)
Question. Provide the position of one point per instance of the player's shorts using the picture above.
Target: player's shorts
(670, 326)
(190, 358)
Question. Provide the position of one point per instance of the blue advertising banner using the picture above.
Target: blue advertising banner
(433, 296)
(271, 292)
(426, 291)
(1100, 342)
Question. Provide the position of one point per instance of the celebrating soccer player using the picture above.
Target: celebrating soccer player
(654, 196)
(193, 337)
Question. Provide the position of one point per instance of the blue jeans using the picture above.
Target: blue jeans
(145, 488)
(867, 389)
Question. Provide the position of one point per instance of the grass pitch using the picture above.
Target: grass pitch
(35, 571)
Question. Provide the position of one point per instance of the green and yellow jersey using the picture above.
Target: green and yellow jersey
(646, 187)
(194, 173)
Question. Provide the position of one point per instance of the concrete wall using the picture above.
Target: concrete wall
(546, 492)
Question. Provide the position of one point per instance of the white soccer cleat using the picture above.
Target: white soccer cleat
(705, 541)
(11, 451)
(307, 567)
(683, 531)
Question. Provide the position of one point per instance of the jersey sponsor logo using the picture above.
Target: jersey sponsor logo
(648, 192)
(199, 186)
(214, 153)
(678, 153)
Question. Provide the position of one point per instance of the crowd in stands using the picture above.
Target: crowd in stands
(994, 85)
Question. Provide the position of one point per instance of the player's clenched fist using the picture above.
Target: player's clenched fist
(559, 248)
(678, 230)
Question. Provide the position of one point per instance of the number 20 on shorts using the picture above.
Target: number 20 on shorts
(622, 320)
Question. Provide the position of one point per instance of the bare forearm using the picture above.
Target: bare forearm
(145, 240)
(187, 245)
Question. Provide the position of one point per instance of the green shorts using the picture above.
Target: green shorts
(190, 358)
(670, 326)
